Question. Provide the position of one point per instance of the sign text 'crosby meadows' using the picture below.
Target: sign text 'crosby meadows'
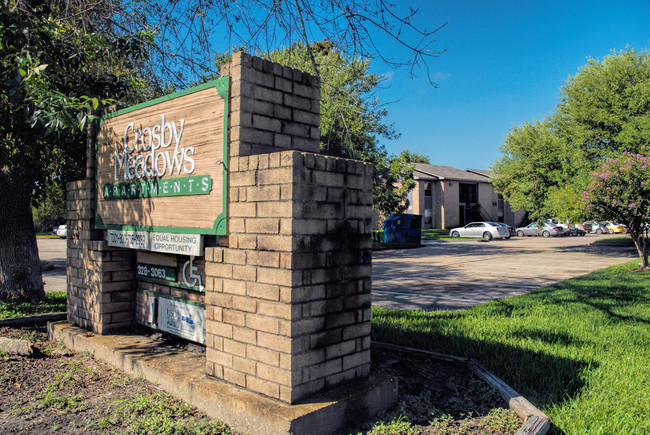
(149, 154)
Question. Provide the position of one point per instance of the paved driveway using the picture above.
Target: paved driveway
(52, 253)
(452, 275)
(448, 274)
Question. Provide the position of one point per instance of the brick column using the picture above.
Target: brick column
(100, 278)
(288, 302)
(272, 107)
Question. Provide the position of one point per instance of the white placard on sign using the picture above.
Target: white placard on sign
(181, 318)
(129, 239)
(170, 243)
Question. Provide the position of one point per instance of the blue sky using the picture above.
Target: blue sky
(505, 63)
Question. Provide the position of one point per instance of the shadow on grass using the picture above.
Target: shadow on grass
(542, 378)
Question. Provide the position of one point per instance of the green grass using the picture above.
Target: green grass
(616, 241)
(159, 414)
(54, 302)
(435, 234)
(47, 235)
(579, 350)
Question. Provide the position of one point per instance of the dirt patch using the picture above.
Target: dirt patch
(65, 392)
(440, 397)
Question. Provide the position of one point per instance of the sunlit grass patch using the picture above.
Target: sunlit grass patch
(53, 302)
(579, 349)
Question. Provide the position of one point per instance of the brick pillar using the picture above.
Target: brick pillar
(272, 107)
(288, 301)
(100, 278)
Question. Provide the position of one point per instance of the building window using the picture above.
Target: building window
(501, 207)
(469, 210)
(468, 193)
(428, 204)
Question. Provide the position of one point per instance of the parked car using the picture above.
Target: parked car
(54, 230)
(486, 230)
(535, 229)
(612, 227)
(558, 223)
(594, 227)
(576, 230)
(62, 231)
(511, 230)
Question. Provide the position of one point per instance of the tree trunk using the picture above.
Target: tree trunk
(640, 244)
(20, 267)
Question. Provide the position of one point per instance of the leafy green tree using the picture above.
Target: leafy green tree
(537, 172)
(351, 121)
(604, 110)
(412, 157)
(620, 191)
(53, 76)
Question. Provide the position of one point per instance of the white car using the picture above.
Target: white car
(62, 231)
(486, 230)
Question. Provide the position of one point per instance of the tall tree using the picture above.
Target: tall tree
(53, 75)
(352, 118)
(538, 172)
(604, 110)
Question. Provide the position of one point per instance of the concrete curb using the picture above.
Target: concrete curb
(36, 318)
(182, 374)
(535, 421)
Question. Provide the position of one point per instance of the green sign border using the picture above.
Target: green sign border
(219, 228)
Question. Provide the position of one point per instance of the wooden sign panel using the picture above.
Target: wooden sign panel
(161, 165)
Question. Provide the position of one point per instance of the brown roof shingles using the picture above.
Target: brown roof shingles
(425, 171)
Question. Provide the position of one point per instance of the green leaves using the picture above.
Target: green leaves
(607, 104)
(54, 79)
(604, 111)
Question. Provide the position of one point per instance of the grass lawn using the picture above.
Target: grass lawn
(54, 302)
(46, 236)
(579, 350)
(436, 234)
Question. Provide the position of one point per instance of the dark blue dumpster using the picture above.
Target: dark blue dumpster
(403, 228)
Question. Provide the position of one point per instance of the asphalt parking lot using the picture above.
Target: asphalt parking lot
(458, 274)
(448, 274)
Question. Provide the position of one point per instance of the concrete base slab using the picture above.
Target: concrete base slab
(182, 374)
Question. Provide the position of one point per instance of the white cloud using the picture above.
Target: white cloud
(441, 76)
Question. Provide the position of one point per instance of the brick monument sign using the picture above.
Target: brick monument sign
(209, 215)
